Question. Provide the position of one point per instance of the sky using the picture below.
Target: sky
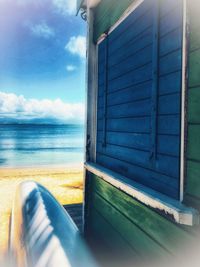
(42, 61)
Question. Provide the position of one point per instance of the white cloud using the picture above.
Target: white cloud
(42, 30)
(70, 68)
(65, 7)
(77, 46)
(18, 108)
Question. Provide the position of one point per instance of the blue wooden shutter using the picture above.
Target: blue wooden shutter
(139, 96)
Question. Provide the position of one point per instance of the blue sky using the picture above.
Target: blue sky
(42, 57)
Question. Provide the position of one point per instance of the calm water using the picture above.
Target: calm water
(41, 145)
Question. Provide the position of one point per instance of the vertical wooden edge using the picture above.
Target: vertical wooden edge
(87, 120)
(91, 91)
(91, 108)
(86, 151)
(183, 147)
(86, 202)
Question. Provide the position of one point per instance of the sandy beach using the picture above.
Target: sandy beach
(66, 184)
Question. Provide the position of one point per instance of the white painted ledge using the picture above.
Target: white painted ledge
(181, 213)
(89, 3)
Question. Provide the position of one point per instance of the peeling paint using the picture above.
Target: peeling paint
(180, 213)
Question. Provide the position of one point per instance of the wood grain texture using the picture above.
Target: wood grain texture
(195, 37)
(142, 24)
(194, 142)
(145, 176)
(142, 228)
(141, 158)
(194, 105)
(194, 68)
(141, 101)
(193, 183)
(138, 43)
(134, 236)
(103, 231)
(172, 20)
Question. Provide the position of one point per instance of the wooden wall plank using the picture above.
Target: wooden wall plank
(167, 145)
(134, 236)
(166, 6)
(142, 57)
(194, 69)
(101, 229)
(195, 37)
(171, 62)
(193, 183)
(136, 109)
(162, 231)
(130, 94)
(141, 158)
(141, 41)
(171, 41)
(172, 20)
(131, 21)
(134, 125)
(131, 140)
(169, 124)
(128, 35)
(194, 142)
(194, 105)
(169, 104)
(170, 83)
(134, 77)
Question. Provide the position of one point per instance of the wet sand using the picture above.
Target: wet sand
(66, 184)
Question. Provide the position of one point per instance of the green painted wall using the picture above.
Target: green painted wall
(193, 146)
(117, 221)
(106, 16)
(123, 224)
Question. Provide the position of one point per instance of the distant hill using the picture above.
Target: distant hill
(39, 121)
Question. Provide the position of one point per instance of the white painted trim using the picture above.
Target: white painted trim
(127, 12)
(147, 196)
(91, 84)
(93, 3)
(90, 3)
(183, 98)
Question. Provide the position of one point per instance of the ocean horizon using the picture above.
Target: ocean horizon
(38, 145)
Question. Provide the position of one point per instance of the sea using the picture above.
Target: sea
(31, 145)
